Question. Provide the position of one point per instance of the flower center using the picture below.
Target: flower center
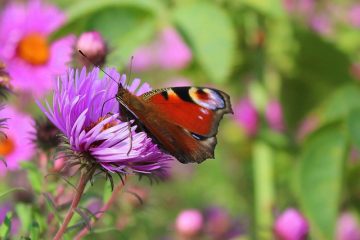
(34, 49)
(106, 126)
(7, 146)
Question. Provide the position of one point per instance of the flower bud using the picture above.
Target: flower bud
(93, 46)
(274, 116)
(189, 223)
(246, 115)
(291, 225)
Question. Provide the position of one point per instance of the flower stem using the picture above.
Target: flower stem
(264, 190)
(104, 208)
(84, 178)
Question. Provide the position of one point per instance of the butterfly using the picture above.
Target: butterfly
(183, 121)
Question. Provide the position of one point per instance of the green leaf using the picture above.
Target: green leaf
(273, 8)
(34, 175)
(24, 212)
(320, 175)
(354, 127)
(35, 231)
(111, 17)
(341, 103)
(210, 33)
(5, 228)
(321, 68)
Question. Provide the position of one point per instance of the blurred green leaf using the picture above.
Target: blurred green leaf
(213, 45)
(5, 227)
(320, 176)
(320, 68)
(354, 127)
(341, 103)
(24, 212)
(272, 8)
(124, 24)
(34, 175)
(35, 231)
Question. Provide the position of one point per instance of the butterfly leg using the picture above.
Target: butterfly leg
(130, 135)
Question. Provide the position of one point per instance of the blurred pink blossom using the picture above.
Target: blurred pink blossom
(300, 6)
(32, 61)
(274, 115)
(17, 146)
(167, 51)
(291, 225)
(354, 16)
(321, 24)
(308, 125)
(178, 82)
(347, 227)
(245, 114)
(189, 223)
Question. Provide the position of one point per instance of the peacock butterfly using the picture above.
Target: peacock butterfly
(183, 121)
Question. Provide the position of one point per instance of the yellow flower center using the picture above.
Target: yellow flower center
(7, 146)
(34, 49)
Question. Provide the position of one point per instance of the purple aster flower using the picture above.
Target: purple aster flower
(17, 146)
(31, 59)
(348, 227)
(245, 114)
(354, 16)
(291, 225)
(94, 134)
(168, 51)
(274, 115)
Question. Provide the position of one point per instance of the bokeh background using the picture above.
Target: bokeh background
(287, 161)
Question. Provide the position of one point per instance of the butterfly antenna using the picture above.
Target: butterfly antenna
(130, 70)
(83, 54)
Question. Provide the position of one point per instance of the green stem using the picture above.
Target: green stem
(84, 178)
(264, 190)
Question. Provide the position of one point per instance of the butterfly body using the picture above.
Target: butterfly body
(183, 121)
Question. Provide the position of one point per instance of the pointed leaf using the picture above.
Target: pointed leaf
(320, 174)
(210, 33)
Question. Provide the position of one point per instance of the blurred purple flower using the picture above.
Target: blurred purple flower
(321, 24)
(18, 145)
(5, 208)
(245, 114)
(274, 115)
(348, 227)
(354, 16)
(31, 60)
(189, 223)
(168, 51)
(93, 46)
(95, 139)
(291, 225)
(218, 222)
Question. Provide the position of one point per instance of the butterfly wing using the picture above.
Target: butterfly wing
(185, 120)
